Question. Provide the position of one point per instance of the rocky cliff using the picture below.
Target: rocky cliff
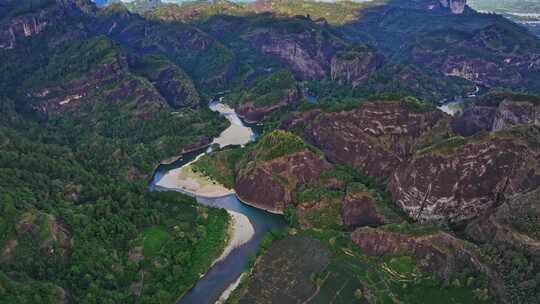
(376, 136)
(498, 112)
(360, 209)
(308, 58)
(171, 81)
(253, 113)
(436, 252)
(270, 185)
(461, 179)
(456, 6)
(450, 53)
(108, 80)
(354, 66)
(13, 30)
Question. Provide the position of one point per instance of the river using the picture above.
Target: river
(224, 274)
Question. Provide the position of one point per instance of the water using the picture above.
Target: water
(227, 271)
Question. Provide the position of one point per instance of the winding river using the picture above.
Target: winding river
(225, 274)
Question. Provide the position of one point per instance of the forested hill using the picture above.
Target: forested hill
(81, 129)
(92, 99)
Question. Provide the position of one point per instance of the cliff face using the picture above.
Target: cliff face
(456, 6)
(108, 80)
(435, 252)
(18, 28)
(305, 47)
(505, 115)
(488, 65)
(253, 112)
(359, 210)
(473, 120)
(172, 82)
(514, 223)
(461, 179)
(270, 185)
(352, 70)
(375, 137)
(510, 113)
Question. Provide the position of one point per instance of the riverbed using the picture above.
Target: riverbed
(249, 224)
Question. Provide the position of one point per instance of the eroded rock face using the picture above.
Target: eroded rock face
(74, 95)
(473, 120)
(375, 137)
(254, 113)
(359, 209)
(502, 68)
(507, 114)
(354, 70)
(512, 113)
(514, 223)
(458, 181)
(307, 54)
(270, 185)
(28, 25)
(456, 6)
(436, 252)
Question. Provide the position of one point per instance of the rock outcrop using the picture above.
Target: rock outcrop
(27, 25)
(172, 82)
(456, 6)
(375, 137)
(108, 81)
(360, 209)
(354, 67)
(304, 46)
(515, 223)
(510, 113)
(502, 68)
(460, 179)
(473, 120)
(270, 185)
(254, 113)
(497, 116)
(435, 252)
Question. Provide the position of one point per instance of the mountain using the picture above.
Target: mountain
(526, 13)
(386, 197)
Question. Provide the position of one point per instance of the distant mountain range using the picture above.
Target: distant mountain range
(525, 12)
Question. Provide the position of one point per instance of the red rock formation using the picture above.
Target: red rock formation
(435, 252)
(354, 70)
(507, 114)
(513, 223)
(460, 179)
(359, 209)
(375, 137)
(269, 185)
(254, 113)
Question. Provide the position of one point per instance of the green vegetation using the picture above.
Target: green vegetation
(14, 8)
(356, 182)
(171, 81)
(319, 208)
(444, 148)
(276, 144)
(154, 238)
(76, 211)
(329, 267)
(268, 90)
(220, 165)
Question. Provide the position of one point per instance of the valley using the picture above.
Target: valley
(269, 151)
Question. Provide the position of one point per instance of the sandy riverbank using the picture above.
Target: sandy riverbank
(187, 180)
(240, 232)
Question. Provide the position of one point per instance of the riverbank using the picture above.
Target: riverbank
(189, 181)
(240, 232)
(237, 133)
